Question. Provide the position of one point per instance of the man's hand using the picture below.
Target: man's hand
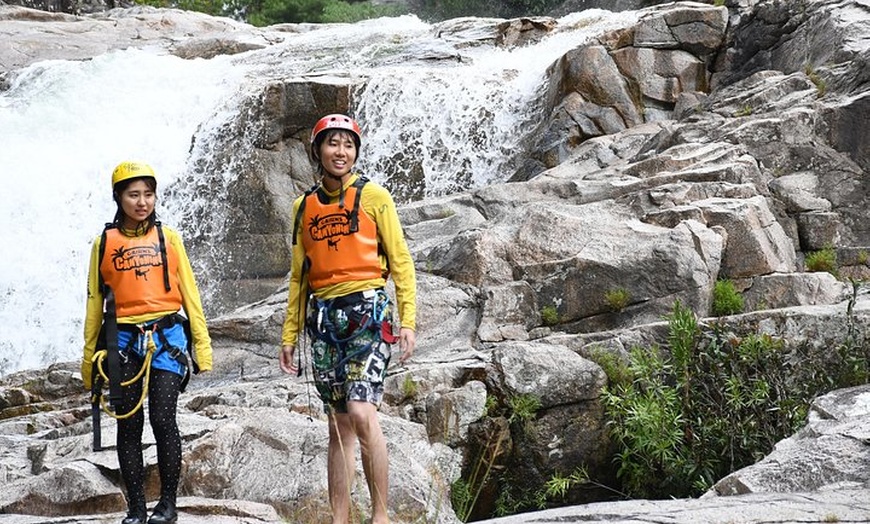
(407, 343)
(286, 362)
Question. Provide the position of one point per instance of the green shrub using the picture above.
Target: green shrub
(410, 388)
(822, 260)
(268, 12)
(816, 79)
(745, 110)
(726, 299)
(490, 405)
(558, 485)
(436, 10)
(617, 299)
(523, 408)
(613, 366)
(465, 491)
(338, 11)
(549, 315)
(712, 402)
(461, 498)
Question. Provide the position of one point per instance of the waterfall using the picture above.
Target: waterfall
(463, 123)
(66, 124)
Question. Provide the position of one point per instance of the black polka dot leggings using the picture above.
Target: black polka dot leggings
(162, 406)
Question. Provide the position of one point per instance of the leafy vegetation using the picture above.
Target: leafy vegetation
(435, 10)
(745, 110)
(816, 79)
(682, 415)
(617, 299)
(610, 362)
(822, 260)
(549, 315)
(726, 299)
(269, 12)
(410, 388)
(523, 408)
(465, 491)
(713, 402)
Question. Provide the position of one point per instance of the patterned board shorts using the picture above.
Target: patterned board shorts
(352, 363)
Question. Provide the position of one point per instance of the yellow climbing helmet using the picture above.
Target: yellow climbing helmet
(128, 170)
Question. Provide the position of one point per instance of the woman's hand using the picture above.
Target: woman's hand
(285, 357)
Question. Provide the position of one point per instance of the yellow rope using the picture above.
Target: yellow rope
(99, 356)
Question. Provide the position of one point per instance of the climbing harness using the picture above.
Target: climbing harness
(111, 409)
(321, 325)
(148, 330)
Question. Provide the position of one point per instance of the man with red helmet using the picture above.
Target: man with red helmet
(351, 243)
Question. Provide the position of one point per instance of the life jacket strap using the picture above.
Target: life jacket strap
(163, 257)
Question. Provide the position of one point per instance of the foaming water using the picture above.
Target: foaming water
(464, 123)
(65, 125)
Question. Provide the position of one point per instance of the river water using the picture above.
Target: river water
(66, 124)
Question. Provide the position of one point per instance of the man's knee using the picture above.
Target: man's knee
(362, 415)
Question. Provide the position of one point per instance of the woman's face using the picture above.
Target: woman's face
(338, 153)
(137, 202)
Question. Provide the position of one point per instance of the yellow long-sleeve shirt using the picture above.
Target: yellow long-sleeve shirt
(377, 203)
(190, 301)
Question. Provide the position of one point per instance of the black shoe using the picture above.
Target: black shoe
(135, 517)
(164, 513)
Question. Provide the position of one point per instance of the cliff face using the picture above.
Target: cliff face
(693, 143)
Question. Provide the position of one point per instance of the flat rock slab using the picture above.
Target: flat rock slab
(841, 505)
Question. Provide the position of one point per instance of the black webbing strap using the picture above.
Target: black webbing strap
(102, 282)
(354, 216)
(97, 444)
(163, 257)
(113, 356)
(177, 353)
(110, 325)
(297, 219)
(96, 395)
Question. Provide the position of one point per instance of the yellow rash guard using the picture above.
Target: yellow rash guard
(377, 203)
(190, 301)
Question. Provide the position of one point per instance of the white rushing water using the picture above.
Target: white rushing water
(467, 121)
(65, 125)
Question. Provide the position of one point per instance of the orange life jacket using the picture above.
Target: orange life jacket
(143, 279)
(341, 244)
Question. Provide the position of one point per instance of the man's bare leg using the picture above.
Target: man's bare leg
(340, 465)
(373, 448)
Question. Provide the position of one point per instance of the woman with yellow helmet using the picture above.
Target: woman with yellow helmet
(135, 339)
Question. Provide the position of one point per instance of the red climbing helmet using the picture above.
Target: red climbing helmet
(331, 122)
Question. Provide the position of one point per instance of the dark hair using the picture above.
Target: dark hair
(327, 134)
(144, 226)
